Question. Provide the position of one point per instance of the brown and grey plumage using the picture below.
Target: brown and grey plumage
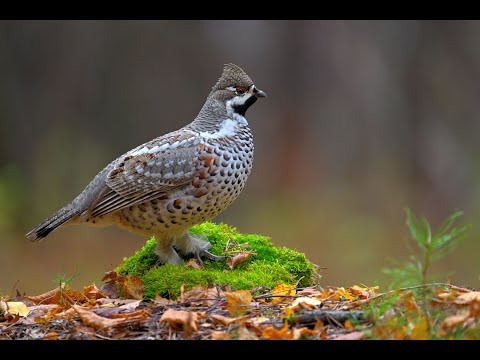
(166, 185)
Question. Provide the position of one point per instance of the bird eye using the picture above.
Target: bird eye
(240, 90)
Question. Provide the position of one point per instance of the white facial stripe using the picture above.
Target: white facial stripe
(231, 88)
(227, 128)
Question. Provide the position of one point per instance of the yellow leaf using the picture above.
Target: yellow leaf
(280, 291)
(343, 293)
(238, 301)
(17, 308)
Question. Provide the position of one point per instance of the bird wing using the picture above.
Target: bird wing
(147, 172)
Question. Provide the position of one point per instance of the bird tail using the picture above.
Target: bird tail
(50, 224)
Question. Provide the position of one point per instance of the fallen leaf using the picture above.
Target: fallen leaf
(419, 330)
(136, 315)
(454, 320)
(356, 335)
(179, 319)
(110, 275)
(110, 289)
(201, 296)
(303, 332)
(348, 325)
(344, 293)
(50, 297)
(280, 291)
(192, 263)
(272, 333)
(219, 335)
(223, 319)
(95, 321)
(16, 308)
(162, 300)
(130, 306)
(131, 286)
(239, 258)
(53, 335)
(245, 334)
(92, 292)
(467, 298)
(309, 292)
(307, 301)
(238, 301)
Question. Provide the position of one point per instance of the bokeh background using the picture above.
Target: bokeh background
(362, 119)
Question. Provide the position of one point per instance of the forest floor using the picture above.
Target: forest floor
(285, 312)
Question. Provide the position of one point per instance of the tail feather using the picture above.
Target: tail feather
(53, 222)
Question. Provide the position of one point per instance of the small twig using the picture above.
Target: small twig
(327, 316)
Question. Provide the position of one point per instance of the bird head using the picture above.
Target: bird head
(236, 89)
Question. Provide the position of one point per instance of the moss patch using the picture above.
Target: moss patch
(272, 265)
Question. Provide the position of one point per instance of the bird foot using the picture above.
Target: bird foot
(209, 255)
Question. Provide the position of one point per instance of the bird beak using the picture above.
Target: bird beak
(259, 93)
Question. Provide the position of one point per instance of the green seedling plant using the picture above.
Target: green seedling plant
(426, 247)
(405, 311)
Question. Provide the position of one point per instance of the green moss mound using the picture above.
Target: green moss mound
(272, 265)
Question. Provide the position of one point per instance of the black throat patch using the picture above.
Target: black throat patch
(242, 109)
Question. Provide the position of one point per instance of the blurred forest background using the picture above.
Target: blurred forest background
(362, 119)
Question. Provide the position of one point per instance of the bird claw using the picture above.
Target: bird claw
(208, 255)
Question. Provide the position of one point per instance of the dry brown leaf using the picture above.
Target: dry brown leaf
(192, 263)
(179, 319)
(245, 334)
(162, 300)
(225, 320)
(467, 298)
(92, 292)
(238, 301)
(110, 275)
(303, 332)
(110, 289)
(219, 335)
(454, 320)
(53, 335)
(271, 333)
(239, 258)
(130, 306)
(136, 315)
(311, 291)
(50, 297)
(131, 286)
(356, 335)
(95, 321)
(208, 295)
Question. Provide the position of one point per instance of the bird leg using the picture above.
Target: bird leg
(189, 244)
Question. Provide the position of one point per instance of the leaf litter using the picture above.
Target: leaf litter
(217, 312)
